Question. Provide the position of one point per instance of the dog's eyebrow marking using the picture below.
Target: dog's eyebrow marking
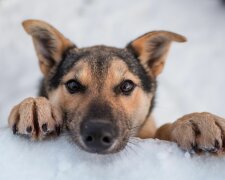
(121, 72)
(136, 68)
(68, 61)
(80, 72)
(76, 73)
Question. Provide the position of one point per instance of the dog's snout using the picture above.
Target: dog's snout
(98, 136)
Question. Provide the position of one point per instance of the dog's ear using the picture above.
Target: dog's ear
(49, 43)
(152, 48)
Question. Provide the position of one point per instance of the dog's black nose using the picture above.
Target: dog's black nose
(98, 136)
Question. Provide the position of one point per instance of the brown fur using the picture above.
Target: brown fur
(148, 129)
(101, 70)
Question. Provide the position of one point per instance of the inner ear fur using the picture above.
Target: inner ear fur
(49, 43)
(152, 49)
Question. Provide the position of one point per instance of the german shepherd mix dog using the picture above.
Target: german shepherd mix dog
(102, 96)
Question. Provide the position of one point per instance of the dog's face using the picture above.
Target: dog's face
(105, 93)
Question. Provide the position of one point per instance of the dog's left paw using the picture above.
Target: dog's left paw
(199, 132)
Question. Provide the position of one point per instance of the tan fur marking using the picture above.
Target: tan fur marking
(81, 72)
(164, 132)
(118, 72)
(148, 129)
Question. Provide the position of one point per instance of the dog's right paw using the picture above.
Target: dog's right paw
(35, 118)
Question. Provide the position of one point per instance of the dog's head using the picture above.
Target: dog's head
(105, 93)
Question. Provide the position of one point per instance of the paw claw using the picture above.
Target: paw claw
(194, 146)
(14, 129)
(212, 150)
(29, 129)
(196, 149)
(217, 144)
(57, 130)
(44, 127)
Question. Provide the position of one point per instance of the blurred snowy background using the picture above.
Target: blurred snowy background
(193, 80)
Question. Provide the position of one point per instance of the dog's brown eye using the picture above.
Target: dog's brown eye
(127, 87)
(74, 87)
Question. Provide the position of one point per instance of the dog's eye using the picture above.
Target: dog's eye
(74, 86)
(127, 87)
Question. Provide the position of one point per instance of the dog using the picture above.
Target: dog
(102, 96)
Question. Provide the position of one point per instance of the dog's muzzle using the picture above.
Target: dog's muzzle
(98, 135)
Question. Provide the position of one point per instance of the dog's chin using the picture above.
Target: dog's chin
(115, 148)
(93, 151)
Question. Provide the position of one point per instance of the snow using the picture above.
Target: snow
(59, 160)
(193, 80)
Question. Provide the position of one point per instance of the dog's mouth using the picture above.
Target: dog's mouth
(99, 150)
(115, 147)
(97, 135)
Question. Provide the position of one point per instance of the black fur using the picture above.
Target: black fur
(42, 90)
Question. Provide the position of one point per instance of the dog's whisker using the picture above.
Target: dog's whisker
(135, 127)
(131, 148)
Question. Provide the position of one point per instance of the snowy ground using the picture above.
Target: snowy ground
(193, 80)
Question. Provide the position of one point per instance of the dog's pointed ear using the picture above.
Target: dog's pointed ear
(152, 48)
(49, 43)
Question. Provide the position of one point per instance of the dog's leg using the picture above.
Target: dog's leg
(35, 118)
(196, 131)
(164, 132)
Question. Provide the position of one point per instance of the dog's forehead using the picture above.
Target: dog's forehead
(101, 60)
(97, 58)
(97, 61)
(97, 70)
